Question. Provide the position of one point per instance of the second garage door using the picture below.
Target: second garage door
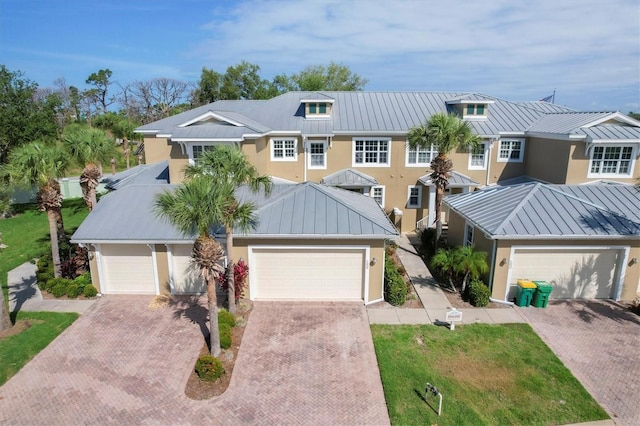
(576, 273)
(303, 273)
(128, 269)
(187, 278)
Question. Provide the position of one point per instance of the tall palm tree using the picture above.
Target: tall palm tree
(227, 164)
(90, 147)
(446, 132)
(41, 165)
(5, 319)
(195, 207)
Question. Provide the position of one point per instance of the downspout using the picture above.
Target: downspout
(493, 264)
(304, 157)
(489, 161)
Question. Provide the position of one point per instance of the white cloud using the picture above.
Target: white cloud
(503, 46)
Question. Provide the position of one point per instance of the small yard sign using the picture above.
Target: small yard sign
(452, 317)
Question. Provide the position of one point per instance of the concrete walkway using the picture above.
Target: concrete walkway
(24, 294)
(436, 305)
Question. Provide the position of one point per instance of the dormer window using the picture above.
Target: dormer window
(475, 109)
(318, 109)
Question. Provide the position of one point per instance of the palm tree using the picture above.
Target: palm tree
(90, 147)
(39, 164)
(196, 206)
(5, 319)
(226, 164)
(469, 262)
(444, 261)
(446, 132)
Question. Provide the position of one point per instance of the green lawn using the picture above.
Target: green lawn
(27, 234)
(17, 350)
(487, 374)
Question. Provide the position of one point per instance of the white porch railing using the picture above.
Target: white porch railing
(422, 224)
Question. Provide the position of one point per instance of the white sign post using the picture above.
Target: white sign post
(452, 317)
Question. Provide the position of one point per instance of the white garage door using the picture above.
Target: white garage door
(128, 269)
(576, 273)
(186, 276)
(307, 273)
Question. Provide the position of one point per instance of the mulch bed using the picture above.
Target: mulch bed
(199, 390)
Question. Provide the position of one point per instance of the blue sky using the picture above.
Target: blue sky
(587, 50)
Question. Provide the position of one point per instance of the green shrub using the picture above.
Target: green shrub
(479, 293)
(90, 290)
(226, 317)
(58, 286)
(209, 368)
(225, 335)
(83, 280)
(395, 289)
(73, 290)
(428, 242)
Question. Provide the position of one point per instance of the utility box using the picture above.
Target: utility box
(541, 295)
(526, 289)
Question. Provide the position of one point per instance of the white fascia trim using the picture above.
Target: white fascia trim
(317, 237)
(97, 242)
(318, 101)
(211, 114)
(230, 140)
(469, 101)
(563, 237)
(557, 136)
(164, 135)
(146, 132)
(613, 115)
(511, 134)
(614, 141)
(283, 132)
(379, 133)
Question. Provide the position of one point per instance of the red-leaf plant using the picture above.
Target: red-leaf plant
(240, 272)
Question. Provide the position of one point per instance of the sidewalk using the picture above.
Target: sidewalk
(24, 294)
(436, 305)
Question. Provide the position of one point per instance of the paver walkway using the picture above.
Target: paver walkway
(436, 305)
(123, 363)
(598, 341)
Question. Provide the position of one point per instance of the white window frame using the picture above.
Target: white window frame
(372, 194)
(204, 145)
(324, 154)
(417, 205)
(508, 159)
(475, 113)
(468, 234)
(272, 149)
(482, 150)
(364, 140)
(431, 152)
(632, 160)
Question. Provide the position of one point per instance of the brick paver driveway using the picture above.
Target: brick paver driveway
(123, 363)
(598, 341)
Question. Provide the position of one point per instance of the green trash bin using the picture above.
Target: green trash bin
(526, 290)
(541, 295)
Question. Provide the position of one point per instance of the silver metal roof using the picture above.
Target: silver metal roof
(207, 130)
(385, 113)
(348, 178)
(566, 123)
(612, 132)
(541, 211)
(307, 210)
(456, 180)
(142, 174)
(313, 210)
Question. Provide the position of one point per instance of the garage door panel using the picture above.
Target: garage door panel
(128, 269)
(308, 274)
(574, 273)
(186, 275)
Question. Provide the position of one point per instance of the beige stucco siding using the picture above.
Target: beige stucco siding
(162, 262)
(376, 280)
(156, 150)
(502, 170)
(93, 268)
(548, 159)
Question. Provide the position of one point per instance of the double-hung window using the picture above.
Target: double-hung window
(317, 155)
(377, 193)
(511, 150)
(612, 160)
(414, 197)
(478, 157)
(371, 152)
(468, 234)
(284, 149)
(197, 151)
(421, 157)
